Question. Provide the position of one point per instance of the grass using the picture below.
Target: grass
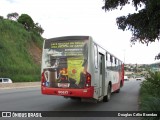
(15, 60)
(150, 94)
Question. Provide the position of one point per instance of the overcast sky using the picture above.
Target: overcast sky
(84, 17)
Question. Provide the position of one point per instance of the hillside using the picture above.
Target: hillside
(20, 52)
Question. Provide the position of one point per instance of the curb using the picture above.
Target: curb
(19, 85)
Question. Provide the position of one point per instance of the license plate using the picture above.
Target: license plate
(62, 92)
(63, 85)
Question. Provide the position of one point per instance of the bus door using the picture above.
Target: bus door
(101, 74)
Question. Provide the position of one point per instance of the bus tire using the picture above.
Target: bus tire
(108, 96)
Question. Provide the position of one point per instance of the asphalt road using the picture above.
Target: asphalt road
(31, 99)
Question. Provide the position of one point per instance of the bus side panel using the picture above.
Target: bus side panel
(92, 69)
(107, 79)
(122, 74)
(99, 72)
(115, 81)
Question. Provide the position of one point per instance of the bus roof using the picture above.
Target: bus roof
(70, 37)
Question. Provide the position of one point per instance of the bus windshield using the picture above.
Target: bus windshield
(64, 63)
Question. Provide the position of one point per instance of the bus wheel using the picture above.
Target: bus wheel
(108, 96)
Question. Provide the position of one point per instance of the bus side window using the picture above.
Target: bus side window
(117, 65)
(109, 64)
(111, 58)
(120, 66)
(106, 56)
(106, 60)
(95, 56)
(113, 64)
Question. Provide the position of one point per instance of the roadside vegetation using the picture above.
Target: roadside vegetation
(145, 28)
(150, 94)
(16, 62)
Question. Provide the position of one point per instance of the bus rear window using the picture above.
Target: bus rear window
(65, 48)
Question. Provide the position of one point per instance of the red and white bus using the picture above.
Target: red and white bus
(77, 67)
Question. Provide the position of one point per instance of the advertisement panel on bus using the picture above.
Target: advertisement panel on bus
(65, 63)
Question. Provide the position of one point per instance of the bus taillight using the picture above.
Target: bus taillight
(88, 80)
(43, 79)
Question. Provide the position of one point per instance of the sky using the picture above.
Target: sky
(84, 17)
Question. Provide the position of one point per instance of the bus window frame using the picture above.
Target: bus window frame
(109, 63)
(95, 56)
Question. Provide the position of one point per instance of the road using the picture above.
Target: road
(31, 99)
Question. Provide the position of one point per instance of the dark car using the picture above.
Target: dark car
(139, 78)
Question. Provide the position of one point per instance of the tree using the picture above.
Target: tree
(27, 21)
(157, 57)
(38, 28)
(144, 24)
(13, 15)
(1, 18)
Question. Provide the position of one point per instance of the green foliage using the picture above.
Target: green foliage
(157, 57)
(13, 15)
(144, 24)
(15, 61)
(114, 4)
(152, 84)
(38, 28)
(1, 18)
(151, 104)
(150, 95)
(26, 21)
(29, 24)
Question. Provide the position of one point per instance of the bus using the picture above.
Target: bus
(77, 67)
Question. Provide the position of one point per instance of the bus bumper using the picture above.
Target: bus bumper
(83, 93)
